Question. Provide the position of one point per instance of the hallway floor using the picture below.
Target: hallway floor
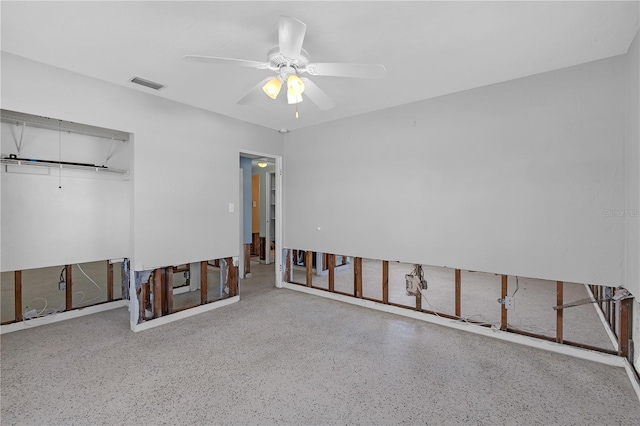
(282, 357)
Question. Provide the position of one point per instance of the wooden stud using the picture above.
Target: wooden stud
(623, 333)
(503, 307)
(287, 266)
(163, 290)
(385, 281)
(232, 281)
(607, 312)
(308, 262)
(203, 282)
(458, 294)
(109, 281)
(331, 265)
(17, 282)
(559, 312)
(247, 259)
(157, 293)
(613, 317)
(263, 245)
(144, 300)
(69, 289)
(357, 277)
(168, 283)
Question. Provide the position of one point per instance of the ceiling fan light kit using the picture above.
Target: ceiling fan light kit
(295, 86)
(272, 88)
(289, 60)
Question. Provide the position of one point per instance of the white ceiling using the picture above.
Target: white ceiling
(428, 48)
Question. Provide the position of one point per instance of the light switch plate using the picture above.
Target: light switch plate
(232, 208)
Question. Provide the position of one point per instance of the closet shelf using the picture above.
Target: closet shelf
(58, 165)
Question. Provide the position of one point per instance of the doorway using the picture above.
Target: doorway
(260, 228)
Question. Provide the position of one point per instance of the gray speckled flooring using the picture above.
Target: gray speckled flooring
(282, 357)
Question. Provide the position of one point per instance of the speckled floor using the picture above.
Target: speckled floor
(283, 357)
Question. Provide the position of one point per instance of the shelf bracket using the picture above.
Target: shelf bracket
(19, 144)
(109, 154)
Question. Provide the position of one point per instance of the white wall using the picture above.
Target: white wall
(184, 160)
(632, 179)
(514, 178)
(62, 217)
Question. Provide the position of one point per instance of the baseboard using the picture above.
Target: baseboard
(62, 316)
(184, 314)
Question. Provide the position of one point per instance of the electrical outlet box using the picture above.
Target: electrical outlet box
(509, 303)
(62, 285)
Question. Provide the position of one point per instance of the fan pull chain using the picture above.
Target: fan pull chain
(296, 110)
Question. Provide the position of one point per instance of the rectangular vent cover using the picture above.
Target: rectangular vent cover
(147, 83)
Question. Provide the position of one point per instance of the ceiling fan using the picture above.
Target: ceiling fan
(290, 61)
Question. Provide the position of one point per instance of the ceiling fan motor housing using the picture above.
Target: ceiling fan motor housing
(277, 60)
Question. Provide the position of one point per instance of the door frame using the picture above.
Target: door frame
(278, 252)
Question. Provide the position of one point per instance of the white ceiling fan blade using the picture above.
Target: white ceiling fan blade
(224, 61)
(347, 70)
(290, 36)
(317, 95)
(253, 94)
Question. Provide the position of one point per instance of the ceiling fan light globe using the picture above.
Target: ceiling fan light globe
(262, 164)
(295, 86)
(272, 87)
(293, 99)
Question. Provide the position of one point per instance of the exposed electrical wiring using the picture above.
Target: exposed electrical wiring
(482, 321)
(94, 283)
(44, 312)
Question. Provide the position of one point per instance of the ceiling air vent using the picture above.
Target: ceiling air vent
(147, 83)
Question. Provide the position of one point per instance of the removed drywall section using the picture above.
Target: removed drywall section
(514, 178)
(184, 159)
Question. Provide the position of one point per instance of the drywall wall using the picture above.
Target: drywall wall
(54, 215)
(513, 178)
(184, 160)
(632, 179)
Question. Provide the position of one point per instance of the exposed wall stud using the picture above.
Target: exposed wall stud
(69, 289)
(559, 312)
(287, 266)
(503, 307)
(331, 264)
(385, 281)
(623, 333)
(203, 282)
(308, 262)
(157, 293)
(458, 293)
(263, 245)
(232, 281)
(109, 281)
(17, 280)
(247, 259)
(357, 277)
(168, 291)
